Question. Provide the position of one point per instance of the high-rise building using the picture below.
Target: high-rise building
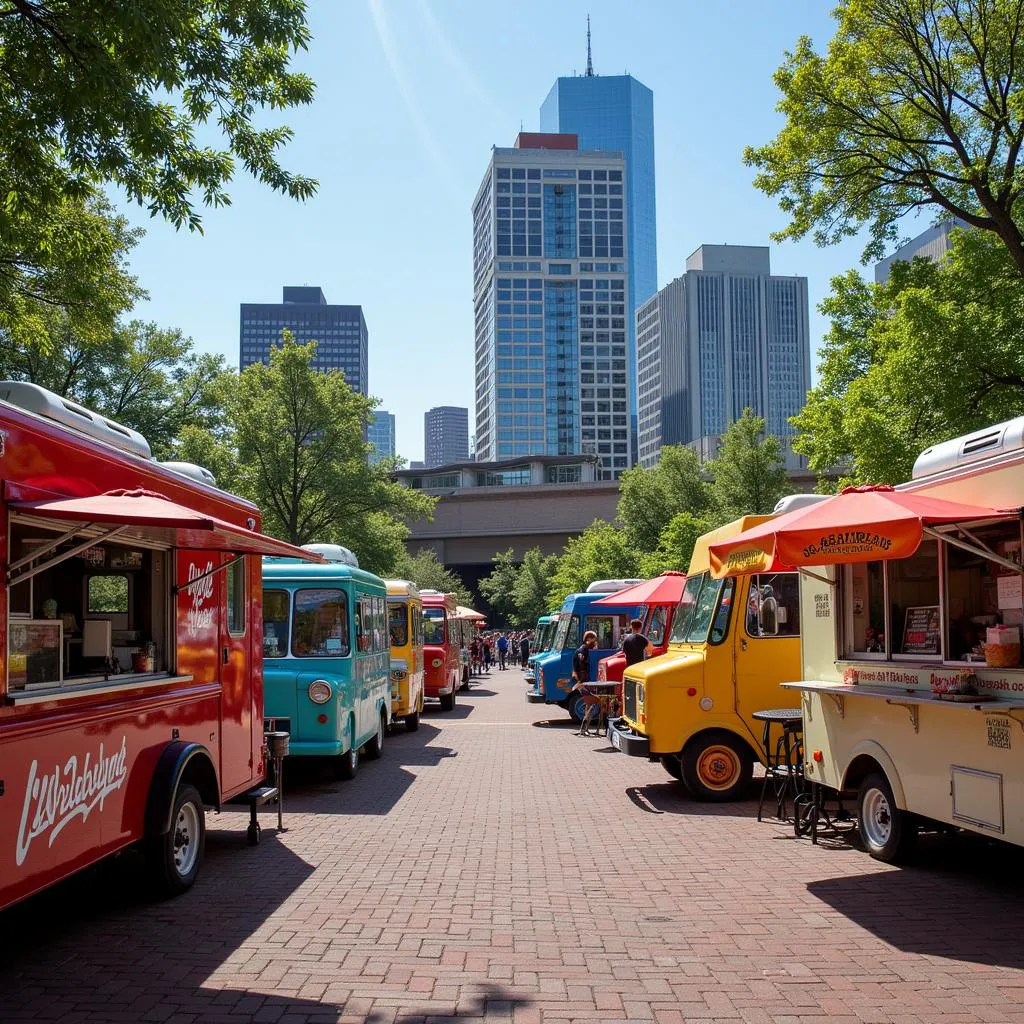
(550, 292)
(932, 244)
(339, 331)
(616, 112)
(445, 435)
(381, 434)
(726, 336)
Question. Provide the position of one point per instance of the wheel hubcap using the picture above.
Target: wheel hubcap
(718, 767)
(876, 818)
(186, 838)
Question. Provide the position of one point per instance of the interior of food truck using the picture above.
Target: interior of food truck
(103, 612)
(937, 604)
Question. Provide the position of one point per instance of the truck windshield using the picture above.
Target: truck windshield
(433, 626)
(566, 637)
(398, 624)
(697, 608)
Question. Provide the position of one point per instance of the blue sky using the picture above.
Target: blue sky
(411, 95)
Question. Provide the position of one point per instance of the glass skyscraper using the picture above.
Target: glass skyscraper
(381, 434)
(726, 336)
(616, 112)
(551, 286)
(339, 331)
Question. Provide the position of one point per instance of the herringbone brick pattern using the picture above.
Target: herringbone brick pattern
(495, 867)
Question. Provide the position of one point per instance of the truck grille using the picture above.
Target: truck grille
(629, 699)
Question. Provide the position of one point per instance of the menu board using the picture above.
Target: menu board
(922, 631)
(35, 649)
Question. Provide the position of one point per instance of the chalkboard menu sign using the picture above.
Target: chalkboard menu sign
(922, 631)
(34, 655)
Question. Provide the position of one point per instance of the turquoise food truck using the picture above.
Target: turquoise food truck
(326, 657)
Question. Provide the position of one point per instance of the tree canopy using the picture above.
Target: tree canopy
(749, 473)
(293, 443)
(935, 352)
(423, 569)
(916, 103)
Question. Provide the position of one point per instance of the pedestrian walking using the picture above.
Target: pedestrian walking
(487, 657)
(502, 651)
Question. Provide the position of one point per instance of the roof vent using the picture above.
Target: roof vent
(791, 502)
(611, 586)
(333, 553)
(971, 448)
(34, 399)
(192, 471)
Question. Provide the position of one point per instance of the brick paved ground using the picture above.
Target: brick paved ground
(494, 866)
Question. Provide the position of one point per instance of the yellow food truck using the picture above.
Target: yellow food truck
(405, 624)
(733, 641)
(912, 690)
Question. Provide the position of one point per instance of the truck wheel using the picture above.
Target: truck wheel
(175, 857)
(347, 764)
(376, 746)
(448, 701)
(887, 833)
(717, 767)
(576, 706)
(673, 765)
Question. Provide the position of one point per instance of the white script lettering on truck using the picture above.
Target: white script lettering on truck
(201, 591)
(55, 799)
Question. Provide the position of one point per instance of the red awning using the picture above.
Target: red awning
(860, 524)
(664, 589)
(151, 517)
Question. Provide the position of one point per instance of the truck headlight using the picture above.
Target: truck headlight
(397, 675)
(320, 691)
(436, 663)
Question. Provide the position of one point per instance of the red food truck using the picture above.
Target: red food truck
(442, 664)
(660, 596)
(131, 694)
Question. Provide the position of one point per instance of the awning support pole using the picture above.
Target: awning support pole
(179, 587)
(64, 556)
(815, 576)
(980, 551)
(43, 550)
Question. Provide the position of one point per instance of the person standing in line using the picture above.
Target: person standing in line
(636, 646)
(487, 656)
(581, 677)
(502, 651)
(524, 650)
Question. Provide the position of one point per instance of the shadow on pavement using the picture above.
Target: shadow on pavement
(98, 948)
(556, 723)
(310, 785)
(671, 797)
(961, 899)
(461, 709)
(477, 691)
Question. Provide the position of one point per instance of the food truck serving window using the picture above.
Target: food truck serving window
(773, 605)
(98, 612)
(937, 604)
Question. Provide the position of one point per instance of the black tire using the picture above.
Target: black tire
(465, 678)
(448, 701)
(717, 767)
(887, 833)
(672, 764)
(375, 747)
(412, 722)
(176, 857)
(576, 707)
(346, 765)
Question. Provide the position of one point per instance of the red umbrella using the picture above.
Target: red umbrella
(860, 524)
(664, 589)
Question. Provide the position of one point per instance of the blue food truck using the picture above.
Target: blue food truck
(553, 668)
(326, 657)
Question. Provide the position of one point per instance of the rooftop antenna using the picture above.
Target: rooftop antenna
(590, 63)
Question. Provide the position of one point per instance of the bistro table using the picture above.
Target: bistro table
(607, 694)
(783, 762)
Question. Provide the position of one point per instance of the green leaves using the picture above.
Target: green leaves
(936, 352)
(911, 105)
(518, 592)
(749, 475)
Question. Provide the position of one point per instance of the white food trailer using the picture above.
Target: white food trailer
(912, 693)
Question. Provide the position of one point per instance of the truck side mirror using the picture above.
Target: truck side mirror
(768, 616)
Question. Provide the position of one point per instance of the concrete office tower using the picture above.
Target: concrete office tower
(725, 336)
(339, 331)
(445, 435)
(381, 434)
(550, 288)
(616, 112)
(932, 244)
